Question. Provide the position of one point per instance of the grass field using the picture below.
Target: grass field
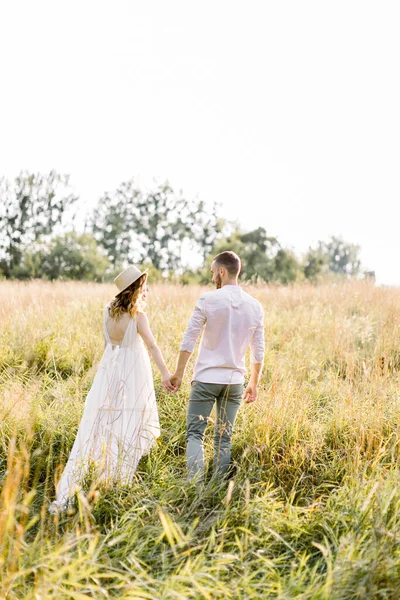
(313, 508)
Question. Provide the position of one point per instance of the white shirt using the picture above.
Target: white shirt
(232, 321)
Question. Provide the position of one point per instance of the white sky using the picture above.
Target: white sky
(286, 112)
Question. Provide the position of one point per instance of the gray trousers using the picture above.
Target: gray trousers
(201, 402)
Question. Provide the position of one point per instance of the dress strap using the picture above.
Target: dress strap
(105, 332)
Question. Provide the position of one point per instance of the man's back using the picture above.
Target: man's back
(232, 320)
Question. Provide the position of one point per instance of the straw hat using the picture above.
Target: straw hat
(128, 276)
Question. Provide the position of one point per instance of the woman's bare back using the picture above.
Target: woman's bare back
(116, 329)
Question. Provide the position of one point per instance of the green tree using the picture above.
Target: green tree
(69, 256)
(154, 226)
(207, 227)
(31, 206)
(286, 267)
(315, 263)
(343, 257)
(334, 256)
(258, 255)
(262, 256)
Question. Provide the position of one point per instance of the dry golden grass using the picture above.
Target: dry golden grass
(313, 508)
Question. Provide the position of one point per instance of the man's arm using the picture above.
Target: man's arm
(251, 391)
(194, 328)
(177, 377)
(257, 348)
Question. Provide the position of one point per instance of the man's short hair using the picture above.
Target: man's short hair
(230, 261)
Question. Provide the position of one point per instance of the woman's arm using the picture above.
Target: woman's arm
(143, 327)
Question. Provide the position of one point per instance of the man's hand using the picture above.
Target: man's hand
(176, 378)
(176, 381)
(167, 384)
(250, 393)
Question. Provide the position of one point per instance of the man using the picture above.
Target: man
(232, 320)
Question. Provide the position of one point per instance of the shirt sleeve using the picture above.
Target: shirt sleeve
(195, 326)
(257, 345)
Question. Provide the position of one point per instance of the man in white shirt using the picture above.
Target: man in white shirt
(231, 320)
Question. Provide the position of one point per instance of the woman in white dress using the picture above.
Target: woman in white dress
(120, 419)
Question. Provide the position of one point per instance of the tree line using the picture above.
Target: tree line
(156, 228)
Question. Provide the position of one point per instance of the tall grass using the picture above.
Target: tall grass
(312, 508)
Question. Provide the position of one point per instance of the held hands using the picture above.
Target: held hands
(176, 381)
(250, 393)
(171, 382)
(167, 384)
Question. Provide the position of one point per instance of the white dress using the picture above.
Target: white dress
(120, 419)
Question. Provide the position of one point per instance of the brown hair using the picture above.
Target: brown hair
(230, 261)
(128, 300)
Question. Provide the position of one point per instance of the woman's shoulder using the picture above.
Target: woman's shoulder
(142, 321)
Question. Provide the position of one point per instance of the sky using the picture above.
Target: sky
(284, 112)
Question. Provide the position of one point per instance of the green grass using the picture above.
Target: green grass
(313, 506)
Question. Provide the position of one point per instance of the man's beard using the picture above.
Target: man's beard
(218, 282)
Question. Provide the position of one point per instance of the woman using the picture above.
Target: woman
(120, 419)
